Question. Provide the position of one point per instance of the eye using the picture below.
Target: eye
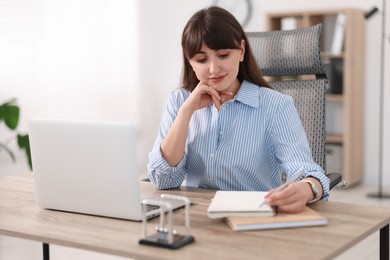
(202, 60)
(223, 56)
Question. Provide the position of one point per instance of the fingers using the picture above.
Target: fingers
(203, 95)
(225, 95)
(285, 196)
(217, 99)
(204, 92)
(291, 199)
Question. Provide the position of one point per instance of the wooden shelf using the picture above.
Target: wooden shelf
(329, 55)
(352, 99)
(334, 98)
(334, 138)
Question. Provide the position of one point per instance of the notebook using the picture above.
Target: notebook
(239, 203)
(308, 217)
(87, 167)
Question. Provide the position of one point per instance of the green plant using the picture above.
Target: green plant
(9, 114)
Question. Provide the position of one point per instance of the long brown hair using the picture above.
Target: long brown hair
(218, 29)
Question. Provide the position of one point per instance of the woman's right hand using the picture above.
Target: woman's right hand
(203, 95)
(173, 145)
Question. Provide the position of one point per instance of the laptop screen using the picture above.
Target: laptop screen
(86, 167)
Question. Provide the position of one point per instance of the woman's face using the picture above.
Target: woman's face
(218, 68)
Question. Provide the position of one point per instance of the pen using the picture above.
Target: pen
(296, 176)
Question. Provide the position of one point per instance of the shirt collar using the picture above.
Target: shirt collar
(248, 94)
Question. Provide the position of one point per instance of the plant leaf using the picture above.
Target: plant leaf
(4, 106)
(24, 144)
(5, 148)
(9, 114)
(1, 113)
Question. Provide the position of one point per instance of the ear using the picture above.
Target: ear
(242, 47)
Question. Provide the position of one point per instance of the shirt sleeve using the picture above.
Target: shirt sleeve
(291, 146)
(160, 173)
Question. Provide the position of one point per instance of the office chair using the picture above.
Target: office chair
(292, 62)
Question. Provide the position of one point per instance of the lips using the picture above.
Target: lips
(217, 79)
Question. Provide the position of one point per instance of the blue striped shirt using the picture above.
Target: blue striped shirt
(246, 145)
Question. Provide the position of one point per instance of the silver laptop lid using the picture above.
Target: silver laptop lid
(86, 167)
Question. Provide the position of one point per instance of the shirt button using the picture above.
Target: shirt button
(220, 132)
(211, 155)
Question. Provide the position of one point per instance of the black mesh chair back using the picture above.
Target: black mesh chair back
(293, 62)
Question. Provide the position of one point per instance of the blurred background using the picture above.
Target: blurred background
(117, 60)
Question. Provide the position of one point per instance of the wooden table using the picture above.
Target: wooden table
(20, 216)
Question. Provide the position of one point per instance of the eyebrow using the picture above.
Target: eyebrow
(200, 52)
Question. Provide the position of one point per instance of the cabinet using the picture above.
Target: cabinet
(345, 106)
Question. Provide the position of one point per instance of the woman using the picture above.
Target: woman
(225, 128)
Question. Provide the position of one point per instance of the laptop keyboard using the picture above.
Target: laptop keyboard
(151, 207)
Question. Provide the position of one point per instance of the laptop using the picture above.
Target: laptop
(87, 167)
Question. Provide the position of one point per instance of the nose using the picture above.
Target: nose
(214, 67)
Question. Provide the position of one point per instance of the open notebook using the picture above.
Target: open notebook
(239, 203)
(87, 167)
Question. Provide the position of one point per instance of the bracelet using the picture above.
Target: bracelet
(315, 190)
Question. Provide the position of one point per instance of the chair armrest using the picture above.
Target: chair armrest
(146, 179)
(334, 178)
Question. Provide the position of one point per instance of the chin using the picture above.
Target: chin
(220, 86)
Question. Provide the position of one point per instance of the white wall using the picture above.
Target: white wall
(67, 59)
(160, 25)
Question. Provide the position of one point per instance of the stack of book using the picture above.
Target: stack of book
(241, 211)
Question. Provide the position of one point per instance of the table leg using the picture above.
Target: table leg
(384, 243)
(46, 253)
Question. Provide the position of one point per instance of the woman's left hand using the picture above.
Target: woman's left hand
(291, 199)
